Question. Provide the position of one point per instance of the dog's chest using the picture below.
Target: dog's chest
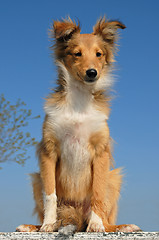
(73, 130)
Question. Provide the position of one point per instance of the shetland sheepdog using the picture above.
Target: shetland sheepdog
(77, 188)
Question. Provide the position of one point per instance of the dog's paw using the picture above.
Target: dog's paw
(27, 228)
(129, 228)
(95, 223)
(95, 227)
(47, 228)
(67, 230)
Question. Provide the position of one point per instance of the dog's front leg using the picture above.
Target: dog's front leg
(99, 191)
(48, 168)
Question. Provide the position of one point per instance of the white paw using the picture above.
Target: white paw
(47, 228)
(95, 223)
(95, 227)
(130, 228)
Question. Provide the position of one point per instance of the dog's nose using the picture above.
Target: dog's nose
(91, 73)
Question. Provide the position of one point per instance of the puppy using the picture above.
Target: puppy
(76, 190)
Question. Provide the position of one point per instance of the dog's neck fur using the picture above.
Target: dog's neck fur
(79, 95)
(76, 102)
(78, 99)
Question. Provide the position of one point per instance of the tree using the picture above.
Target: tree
(14, 139)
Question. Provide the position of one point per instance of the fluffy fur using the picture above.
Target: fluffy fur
(76, 188)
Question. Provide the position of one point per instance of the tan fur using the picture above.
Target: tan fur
(75, 152)
(38, 195)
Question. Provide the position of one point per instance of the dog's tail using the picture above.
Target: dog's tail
(69, 220)
(38, 195)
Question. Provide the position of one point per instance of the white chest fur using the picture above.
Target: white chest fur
(73, 124)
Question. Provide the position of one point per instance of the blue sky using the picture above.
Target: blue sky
(27, 72)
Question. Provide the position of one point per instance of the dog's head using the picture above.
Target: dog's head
(87, 57)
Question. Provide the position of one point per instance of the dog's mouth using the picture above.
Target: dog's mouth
(89, 81)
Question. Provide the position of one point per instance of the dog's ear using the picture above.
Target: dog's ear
(63, 30)
(108, 29)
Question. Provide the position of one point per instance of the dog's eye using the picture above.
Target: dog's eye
(98, 54)
(78, 54)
